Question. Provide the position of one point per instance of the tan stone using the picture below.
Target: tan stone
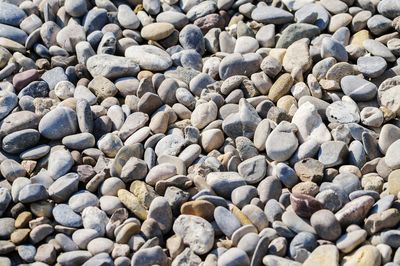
(243, 219)
(327, 255)
(394, 182)
(383, 220)
(278, 54)
(359, 37)
(202, 208)
(307, 187)
(367, 255)
(132, 203)
(159, 122)
(286, 102)
(212, 139)
(125, 233)
(143, 192)
(157, 31)
(20, 235)
(23, 219)
(281, 87)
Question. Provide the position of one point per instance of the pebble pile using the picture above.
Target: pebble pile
(200, 132)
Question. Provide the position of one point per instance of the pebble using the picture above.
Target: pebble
(195, 232)
(234, 256)
(271, 15)
(324, 254)
(355, 210)
(365, 255)
(111, 67)
(149, 57)
(358, 89)
(282, 151)
(371, 66)
(58, 123)
(349, 241)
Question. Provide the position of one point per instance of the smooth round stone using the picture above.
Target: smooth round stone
(236, 64)
(295, 32)
(74, 257)
(204, 114)
(191, 37)
(11, 14)
(280, 87)
(195, 232)
(253, 170)
(243, 195)
(271, 15)
(149, 57)
(389, 134)
(7, 102)
(367, 255)
(13, 33)
(82, 237)
(310, 125)
(7, 227)
(372, 116)
(371, 66)
(26, 252)
(179, 20)
(127, 18)
(378, 49)
(76, 8)
(392, 157)
(68, 36)
(94, 218)
(233, 257)
(35, 89)
(170, 145)
(60, 162)
(323, 255)
(343, 112)
(332, 48)
(19, 141)
(64, 187)
(161, 212)
(391, 238)
(110, 144)
(277, 150)
(64, 215)
(99, 245)
(256, 216)
(157, 31)
(79, 141)
(286, 175)
(358, 88)
(355, 211)
(302, 245)
(19, 121)
(296, 223)
(58, 123)
(389, 8)
(11, 170)
(5, 199)
(82, 199)
(32, 192)
(326, 225)
(111, 66)
(151, 256)
(304, 205)
(226, 221)
(246, 44)
(223, 183)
